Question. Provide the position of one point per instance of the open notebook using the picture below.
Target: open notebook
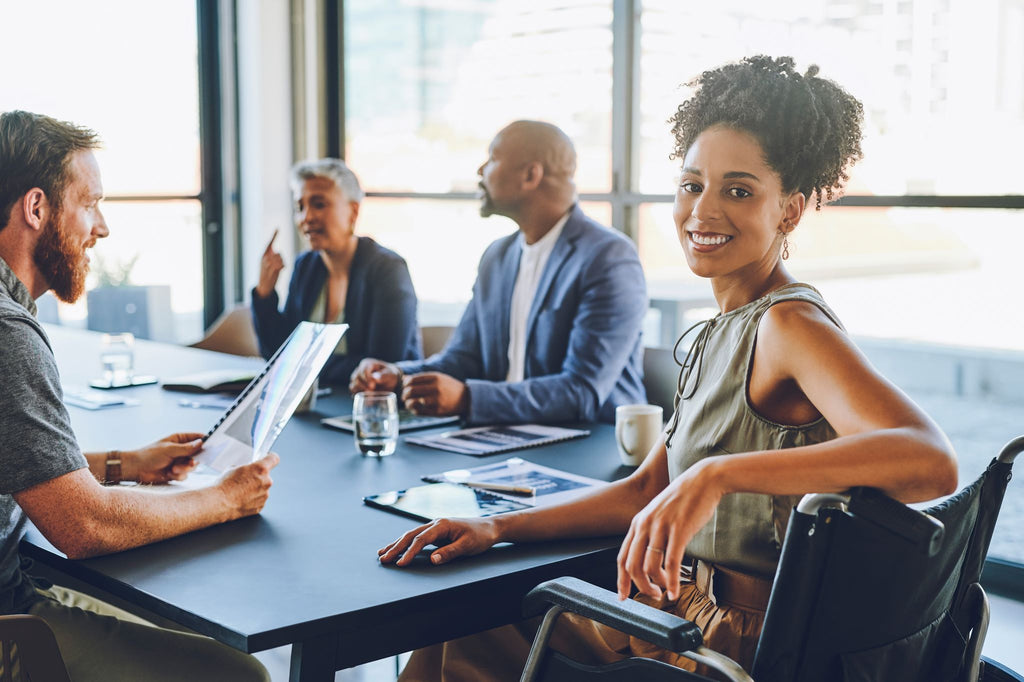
(247, 430)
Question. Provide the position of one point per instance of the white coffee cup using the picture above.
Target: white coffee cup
(637, 428)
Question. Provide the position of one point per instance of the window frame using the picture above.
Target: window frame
(211, 161)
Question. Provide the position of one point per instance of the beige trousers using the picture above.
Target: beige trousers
(498, 655)
(101, 642)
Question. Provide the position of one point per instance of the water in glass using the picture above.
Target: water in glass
(375, 416)
(117, 356)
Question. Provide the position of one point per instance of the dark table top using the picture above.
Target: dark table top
(306, 568)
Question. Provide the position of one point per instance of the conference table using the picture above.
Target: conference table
(305, 572)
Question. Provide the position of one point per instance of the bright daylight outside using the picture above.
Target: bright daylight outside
(137, 86)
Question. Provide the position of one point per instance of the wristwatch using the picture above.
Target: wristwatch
(113, 475)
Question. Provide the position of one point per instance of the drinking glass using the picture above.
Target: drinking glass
(117, 355)
(375, 417)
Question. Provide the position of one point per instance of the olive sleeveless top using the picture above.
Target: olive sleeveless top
(714, 417)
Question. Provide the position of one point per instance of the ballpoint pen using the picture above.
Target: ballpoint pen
(499, 487)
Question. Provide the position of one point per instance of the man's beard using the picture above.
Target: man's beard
(61, 261)
(486, 205)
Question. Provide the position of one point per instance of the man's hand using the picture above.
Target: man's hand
(374, 375)
(271, 266)
(247, 487)
(168, 459)
(434, 393)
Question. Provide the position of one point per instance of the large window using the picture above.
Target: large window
(427, 86)
(939, 107)
(919, 259)
(130, 72)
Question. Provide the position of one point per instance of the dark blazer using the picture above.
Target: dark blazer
(380, 309)
(584, 354)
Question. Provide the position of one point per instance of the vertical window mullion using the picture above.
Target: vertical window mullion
(207, 15)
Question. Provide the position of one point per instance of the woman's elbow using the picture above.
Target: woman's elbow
(937, 473)
(946, 476)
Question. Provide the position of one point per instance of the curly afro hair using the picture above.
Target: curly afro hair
(808, 127)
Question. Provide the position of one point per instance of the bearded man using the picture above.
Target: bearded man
(50, 192)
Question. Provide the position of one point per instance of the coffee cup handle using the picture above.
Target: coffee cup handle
(620, 427)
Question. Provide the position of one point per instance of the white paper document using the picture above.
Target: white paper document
(248, 428)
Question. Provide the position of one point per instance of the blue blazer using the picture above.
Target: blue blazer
(584, 354)
(380, 309)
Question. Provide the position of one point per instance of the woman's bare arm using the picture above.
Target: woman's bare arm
(884, 441)
(606, 511)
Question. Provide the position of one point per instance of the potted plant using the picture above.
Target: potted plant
(117, 305)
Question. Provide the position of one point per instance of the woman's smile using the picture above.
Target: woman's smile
(708, 241)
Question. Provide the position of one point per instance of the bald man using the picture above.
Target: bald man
(552, 333)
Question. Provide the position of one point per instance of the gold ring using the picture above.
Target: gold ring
(655, 549)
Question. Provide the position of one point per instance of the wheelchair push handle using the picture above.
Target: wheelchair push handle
(1011, 450)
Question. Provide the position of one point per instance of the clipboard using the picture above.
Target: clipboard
(436, 500)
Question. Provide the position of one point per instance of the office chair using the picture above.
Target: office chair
(233, 333)
(30, 652)
(435, 338)
(661, 378)
(866, 589)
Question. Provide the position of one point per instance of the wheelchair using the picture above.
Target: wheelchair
(867, 589)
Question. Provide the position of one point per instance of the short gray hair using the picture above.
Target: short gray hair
(334, 170)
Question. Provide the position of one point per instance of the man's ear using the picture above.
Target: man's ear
(35, 208)
(533, 174)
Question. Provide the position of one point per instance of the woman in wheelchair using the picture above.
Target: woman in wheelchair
(774, 399)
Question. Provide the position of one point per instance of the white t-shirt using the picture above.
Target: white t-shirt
(531, 265)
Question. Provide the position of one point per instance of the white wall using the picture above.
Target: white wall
(265, 132)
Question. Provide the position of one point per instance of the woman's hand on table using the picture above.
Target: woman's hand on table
(453, 538)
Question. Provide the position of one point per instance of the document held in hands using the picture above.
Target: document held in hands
(247, 430)
(490, 440)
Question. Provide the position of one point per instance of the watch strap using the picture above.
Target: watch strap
(113, 474)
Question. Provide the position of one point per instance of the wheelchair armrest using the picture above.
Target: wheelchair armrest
(923, 531)
(630, 616)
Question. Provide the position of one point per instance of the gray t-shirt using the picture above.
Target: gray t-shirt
(36, 440)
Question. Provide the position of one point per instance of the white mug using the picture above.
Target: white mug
(637, 428)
